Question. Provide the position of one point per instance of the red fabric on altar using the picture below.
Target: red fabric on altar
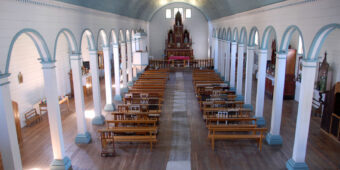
(179, 58)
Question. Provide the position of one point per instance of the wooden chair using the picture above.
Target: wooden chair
(32, 117)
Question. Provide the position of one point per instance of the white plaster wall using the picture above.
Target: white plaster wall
(309, 16)
(332, 46)
(85, 49)
(25, 60)
(63, 66)
(48, 17)
(197, 27)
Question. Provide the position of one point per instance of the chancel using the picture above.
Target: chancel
(169, 84)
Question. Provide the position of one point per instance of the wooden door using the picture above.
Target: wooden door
(17, 122)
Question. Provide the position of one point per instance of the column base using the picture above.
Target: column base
(83, 138)
(273, 139)
(232, 89)
(130, 83)
(292, 165)
(98, 120)
(118, 98)
(63, 164)
(248, 106)
(125, 89)
(109, 107)
(239, 98)
(260, 121)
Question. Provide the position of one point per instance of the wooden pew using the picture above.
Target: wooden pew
(223, 133)
(245, 121)
(139, 115)
(118, 134)
(232, 112)
(137, 122)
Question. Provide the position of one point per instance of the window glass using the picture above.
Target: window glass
(168, 13)
(187, 13)
(175, 12)
(180, 11)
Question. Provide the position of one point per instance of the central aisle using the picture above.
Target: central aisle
(180, 151)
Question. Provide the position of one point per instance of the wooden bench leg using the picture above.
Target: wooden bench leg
(213, 143)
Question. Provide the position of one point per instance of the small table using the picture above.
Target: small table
(184, 58)
(43, 106)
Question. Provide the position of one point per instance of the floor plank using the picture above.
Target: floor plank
(322, 151)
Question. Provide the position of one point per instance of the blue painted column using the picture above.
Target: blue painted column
(249, 77)
(99, 119)
(60, 160)
(274, 138)
(83, 136)
(303, 118)
(9, 147)
(227, 63)
(233, 66)
(261, 84)
(115, 49)
(109, 106)
(239, 83)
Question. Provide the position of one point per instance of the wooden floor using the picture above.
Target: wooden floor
(322, 151)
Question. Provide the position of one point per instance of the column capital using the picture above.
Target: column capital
(106, 48)
(241, 45)
(115, 45)
(251, 48)
(261, 51)
(48, 65)
(233, 43)
(75, 57)
(281, 56)
(93, 52)
(309, 63)
(4, 79)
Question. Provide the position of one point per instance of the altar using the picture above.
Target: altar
(179, 42)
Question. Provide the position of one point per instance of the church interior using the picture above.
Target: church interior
(169, 84)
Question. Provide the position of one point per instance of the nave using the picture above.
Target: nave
(321, 152)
